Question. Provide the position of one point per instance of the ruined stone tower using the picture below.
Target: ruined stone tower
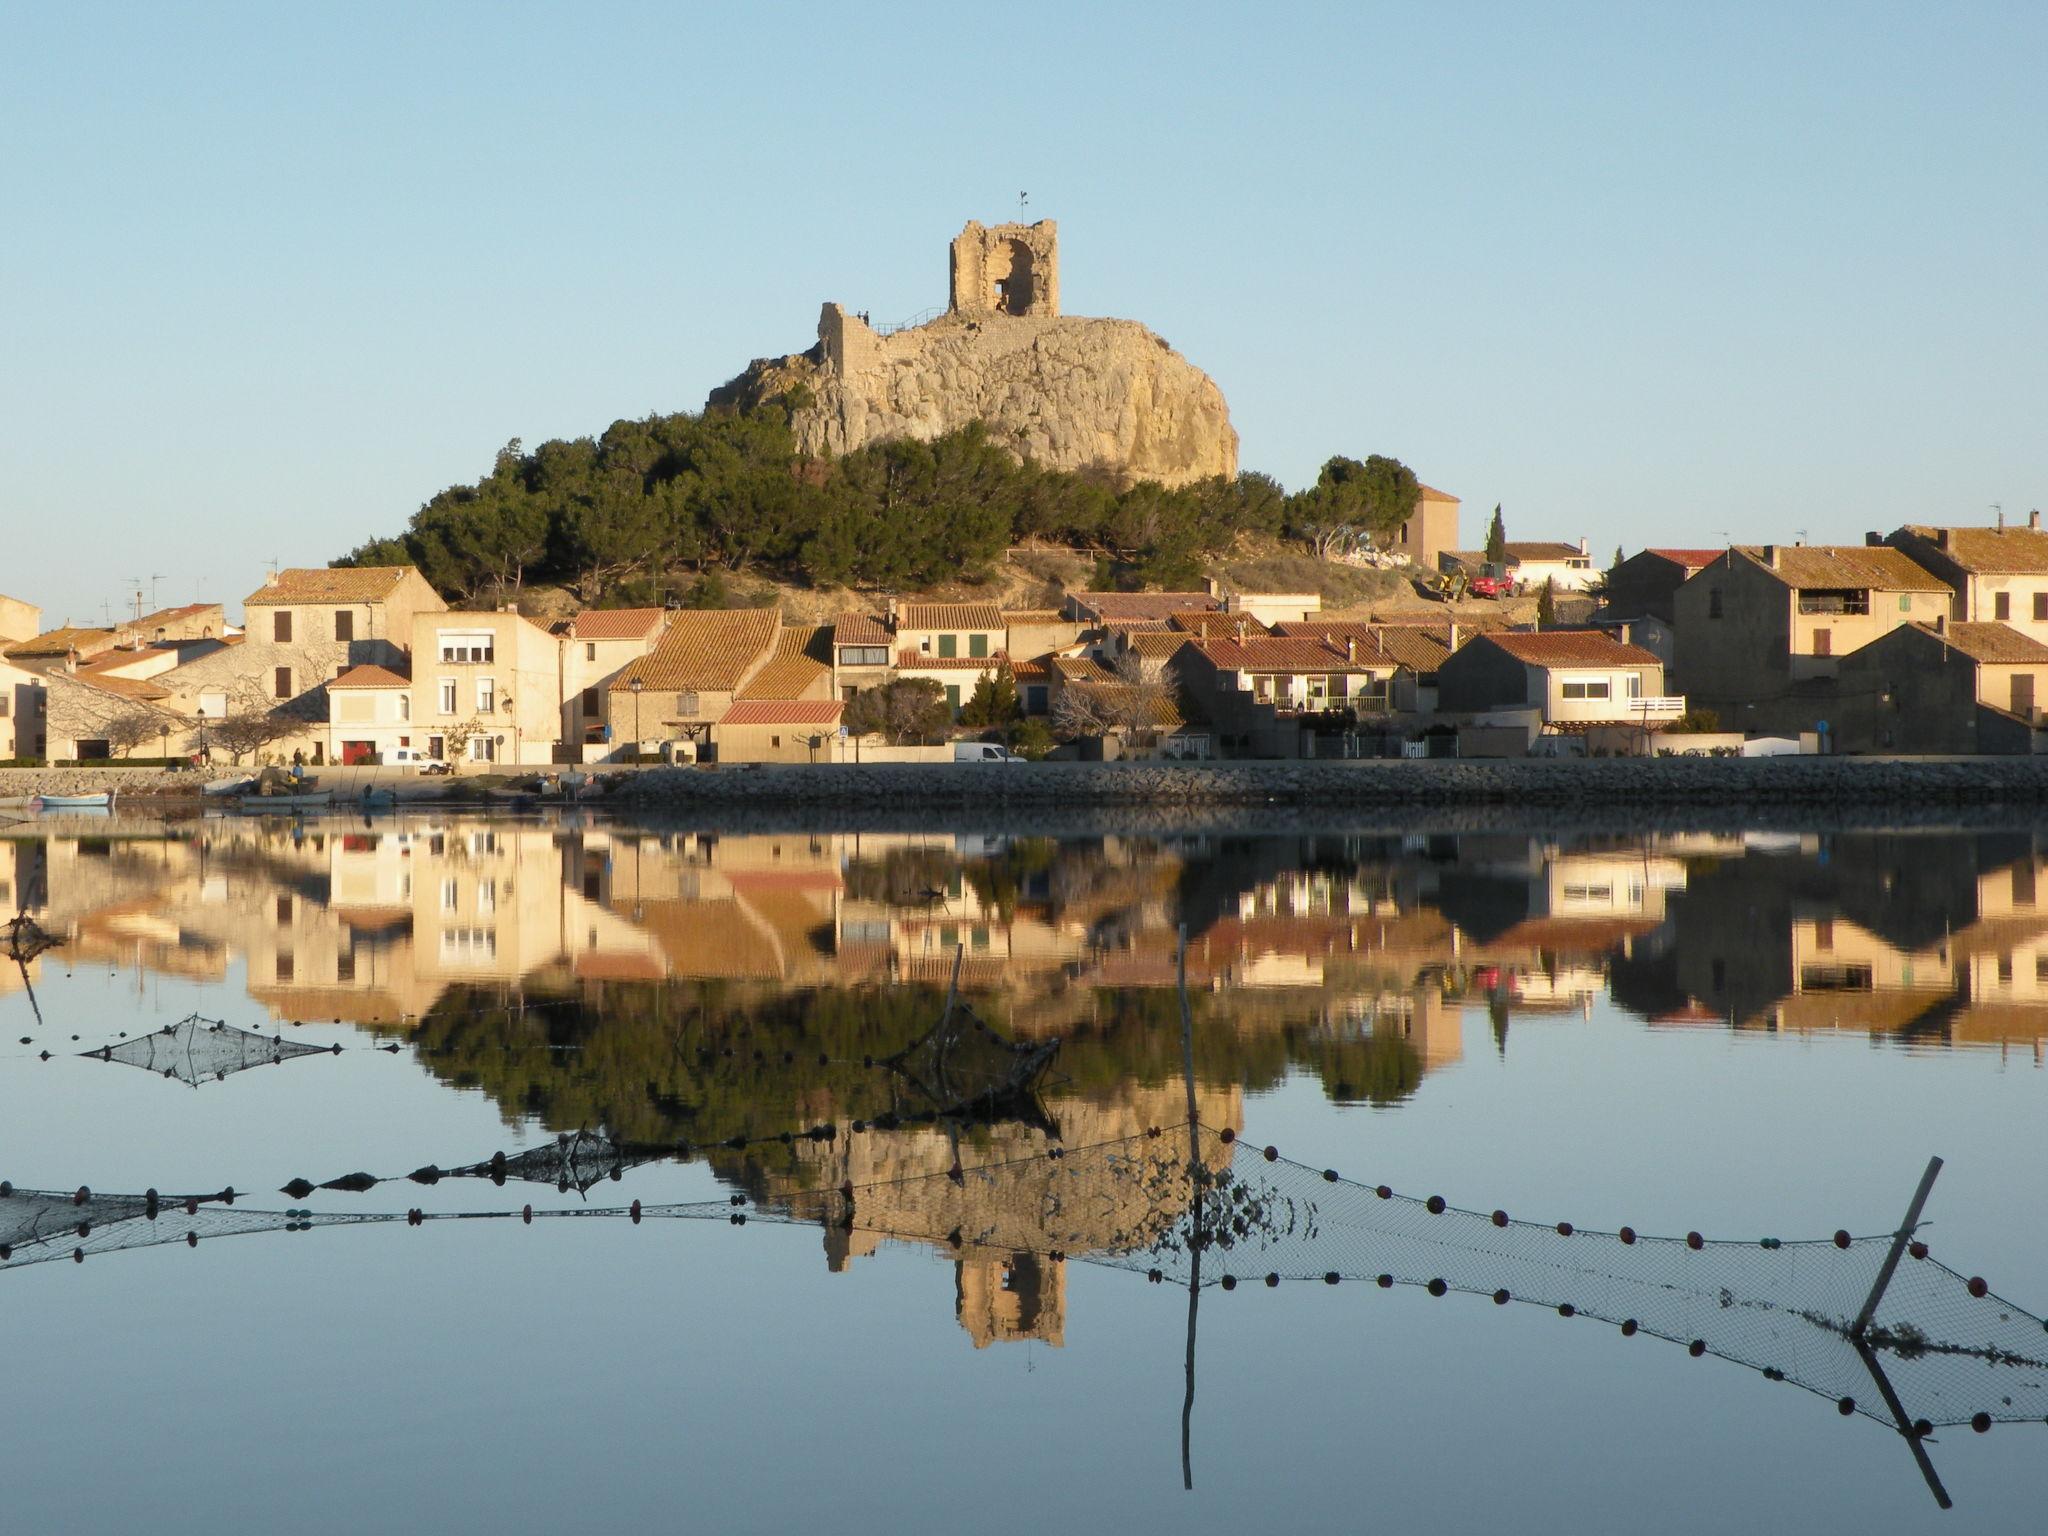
(1013, 269)
(1064, 391)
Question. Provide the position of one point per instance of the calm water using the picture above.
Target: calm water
(1744, 1034)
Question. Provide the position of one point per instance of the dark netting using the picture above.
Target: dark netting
(1207, 1209)
(199, 1050)
(963, 1067)
(579, 1161)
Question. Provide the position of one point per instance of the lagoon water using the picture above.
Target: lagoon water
(1746, 1034)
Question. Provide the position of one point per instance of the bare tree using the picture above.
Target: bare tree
(1134, 705)
(131, 725)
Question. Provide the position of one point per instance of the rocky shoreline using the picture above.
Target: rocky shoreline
(1617, 784)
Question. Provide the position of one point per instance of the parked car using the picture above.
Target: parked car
(983, 752)
(412, 757)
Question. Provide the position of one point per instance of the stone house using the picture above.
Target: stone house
(369, 713)
(1999, 575)
(863, 653)
(188, 621)
(1945, 688)
(1264, 693)
(1429, 530)
(671, 698)
(1097, 610)
(1646, 584)
(1407, 657)
(1761, 629)
(954, 645)
(23, 699)
(487, 687)
(596, 645)
(779, 731)
(19, 620)
(1563, 683)
(85, 717)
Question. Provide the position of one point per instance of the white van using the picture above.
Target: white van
(983, 752)
(413, 757)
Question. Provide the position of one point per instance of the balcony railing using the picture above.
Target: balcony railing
(1649, 710)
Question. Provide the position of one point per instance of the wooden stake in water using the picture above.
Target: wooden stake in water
(1187, 1062)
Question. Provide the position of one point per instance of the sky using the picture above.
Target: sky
(270, 276)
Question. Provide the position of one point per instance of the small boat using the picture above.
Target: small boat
(99, 802)
(235, 786)
(260, 805)
(377, 799)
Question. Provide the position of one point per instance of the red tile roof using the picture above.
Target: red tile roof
(1294, 654)
(861, 629)
(334, 584)
(1420, 648)
(1691, 559)
(713, 649)
(1125, 607)
(371, 677)
(784, 712)
(615, 623)
(1842, 566)
(1431, 493)
(1194, 621)
(1999, 644)
(948, 616)
(1567, 648)
(1992, 551)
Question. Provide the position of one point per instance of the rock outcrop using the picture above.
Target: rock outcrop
(1063, 391)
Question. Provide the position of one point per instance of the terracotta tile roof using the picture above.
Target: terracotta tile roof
(1995, 643)
(1691, 559)
(924, 661)
(784, 712)
(948, 616)
(1194, 620)
(1806, 566)
(1431, 493)
(788, 677)
(125, 687)
(861, 629)
(1543, 550)
(1568, 648)
(166, 615)
(62, 641)
(1032, 616)
(1080, 669)
(115, 660)
(1037, 669)
(615, 623)
(1994, 551)
(1283, 653)
(1161, 711)
(705, 648)
(1156, 644)
(1419, 648)
(812, 640)
(1123, 607)
(599, 965)
(371, 677)
(333, 584)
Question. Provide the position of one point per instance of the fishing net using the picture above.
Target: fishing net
(963, 1067)
(1206, 1209)
(199, 1050)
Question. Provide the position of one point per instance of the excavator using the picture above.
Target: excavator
(1449, 586)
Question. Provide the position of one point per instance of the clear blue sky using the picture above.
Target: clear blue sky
(270, 275)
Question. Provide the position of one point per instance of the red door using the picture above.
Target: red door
(353, 752)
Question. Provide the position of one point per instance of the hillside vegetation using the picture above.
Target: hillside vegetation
(674, 506)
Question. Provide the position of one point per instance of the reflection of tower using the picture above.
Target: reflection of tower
(1021, 1296)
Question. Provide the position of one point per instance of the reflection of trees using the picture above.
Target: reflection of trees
(705, 1061)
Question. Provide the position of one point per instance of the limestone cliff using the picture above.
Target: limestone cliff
(1063, 391)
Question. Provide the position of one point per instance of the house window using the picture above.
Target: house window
(450, 895)
(281, 625)
(863, 655)
(1635, 685)
(686, 704)
(588, 703)
(774, 741)
(949, 645)
(282, 683)
(213, 704)
(486, 695)
(590, 650)
(1823, 642)
(344, 624)
(345, 965)
(405, 706)
(1905, 602)
(287, 967)
(977, 645)
(447, 695)
(1587, 688)
(1844, 600)
(483, 749)
(1713, 602)
(2041, 607)
(3, 706)
(2001, 606)
(953, 697)
(467, 645)
(284, 909)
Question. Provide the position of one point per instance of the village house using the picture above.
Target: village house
(1999, 575)
(1582, 689)
(671, 699)
(1102, 609)
(1264, 694)
(22, 702)
(596, 645)
(779, 731)
(1944, 687)
(1429, 530)
(19, 620)
(1530, 565)
(863, 653)
(89, 719)
(369, 715)
(67, 644)
(1761, 629)
(954, 645)
(1406, 657)
(1640, 597)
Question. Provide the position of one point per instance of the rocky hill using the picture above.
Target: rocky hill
(1064, 391)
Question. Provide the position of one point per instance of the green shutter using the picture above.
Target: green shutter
(977, 645)
(953, 697)
(949, 645)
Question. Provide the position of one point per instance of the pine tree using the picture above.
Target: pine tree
(1546, 604)
(1496, 539)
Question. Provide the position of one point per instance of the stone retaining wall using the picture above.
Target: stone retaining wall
(1600, 784)
(90, 781)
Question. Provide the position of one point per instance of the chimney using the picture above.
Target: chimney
(1584, 547)
(1351, 647)
(2001, 519)
(1240, 631)
(1941, 623)
(1453, 644)
(1205, 631)
(1770, 553)
(2034, 518)
(1941, 538)
(1872, 539)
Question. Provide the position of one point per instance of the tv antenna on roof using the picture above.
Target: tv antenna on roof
(1022, 199)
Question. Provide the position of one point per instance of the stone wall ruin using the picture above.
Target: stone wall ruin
(1012, 269)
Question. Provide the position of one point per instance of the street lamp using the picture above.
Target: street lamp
(636, 685)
